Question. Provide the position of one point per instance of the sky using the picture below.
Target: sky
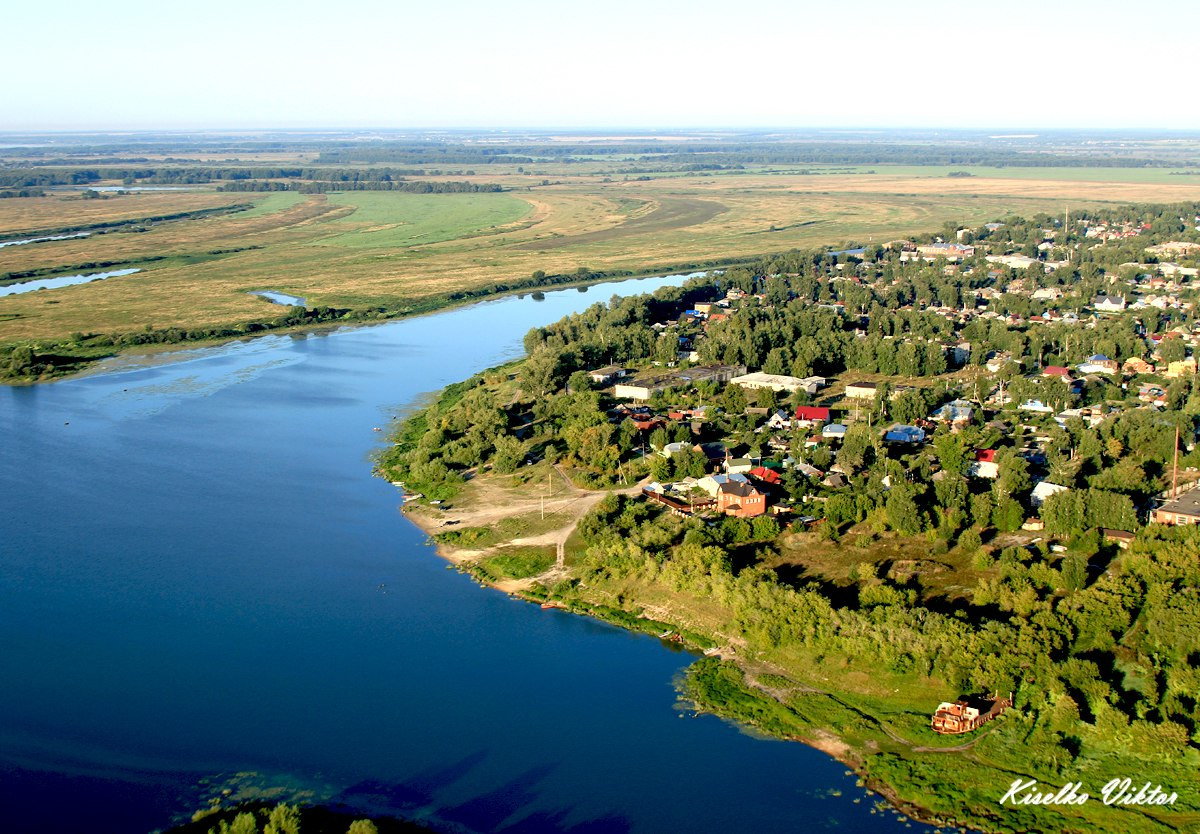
(129, 64)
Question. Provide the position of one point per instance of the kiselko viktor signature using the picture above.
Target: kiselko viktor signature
(1115, 792)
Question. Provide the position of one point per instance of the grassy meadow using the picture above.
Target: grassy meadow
(359, 249)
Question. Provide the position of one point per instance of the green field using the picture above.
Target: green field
(396, 219)
(400, 252)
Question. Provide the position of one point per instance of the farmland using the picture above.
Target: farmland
(396, 251)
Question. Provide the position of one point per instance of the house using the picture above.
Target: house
(1036, 406)
(998, 361)
(1184, 367)
(739, 466)
(606, 375)
(672, 449)
(741, 500)
(965, 715)
(767, 476)
(1121, 538)
(1047, 294)
(1136, 365)
(985, 465)
(1057, 371)
(1185, 509)
(1108, 303)
(834, 431)
(712, 483)
(900, 433)
(812, 414)
(1098, 364)
(1152, 394)
(861, 390)
(779, 421)
(647, 422)
(1044, 490)
(809, 471)
(957, 413)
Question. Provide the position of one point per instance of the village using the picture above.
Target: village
(802, 423)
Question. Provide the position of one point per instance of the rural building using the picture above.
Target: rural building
(1122, 538)
(678, 504)
(1174, 248)
(812, 414)
(1184, 367)
(1098, 364)
(899, 433)
(712, 483)
(741, 500)
(774, 382)
(1044, 490)
(1137, 365)
(767, 476)
(1036, 406)
(957, 413)
(607, 374)
(984, 465)
(645, 387)
(950, 251)
(834, 431)
(965, 715)
(861, 390)
(1108, 303)
(1182, 510)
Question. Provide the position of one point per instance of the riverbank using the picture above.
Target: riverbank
(939, 780)
(758, 700)
(24, 363)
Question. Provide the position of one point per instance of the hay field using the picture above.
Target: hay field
(355, 249)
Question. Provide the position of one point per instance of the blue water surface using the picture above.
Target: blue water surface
(202, 584)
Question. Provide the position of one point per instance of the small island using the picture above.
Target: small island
(867, 483)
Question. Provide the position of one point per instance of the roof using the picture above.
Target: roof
(1056, 370)
(1186, 504)
(811, 412)
(904, 434)
(861, 385)
(741, 489)
(764, 474)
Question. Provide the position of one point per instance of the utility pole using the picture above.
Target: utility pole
(1175, 467)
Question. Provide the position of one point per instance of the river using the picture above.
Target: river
(199, 578)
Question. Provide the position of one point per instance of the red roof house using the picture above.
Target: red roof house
(767, 476)
(813, 413)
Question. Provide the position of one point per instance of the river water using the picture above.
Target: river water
(62, 281)
(200, 578)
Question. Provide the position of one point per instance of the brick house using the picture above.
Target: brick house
(741, 500)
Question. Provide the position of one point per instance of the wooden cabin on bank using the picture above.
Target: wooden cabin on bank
(967, 714)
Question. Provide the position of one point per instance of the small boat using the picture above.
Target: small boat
(377, 429)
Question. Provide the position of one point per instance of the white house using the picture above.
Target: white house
(834, 431)
(1044, 490)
